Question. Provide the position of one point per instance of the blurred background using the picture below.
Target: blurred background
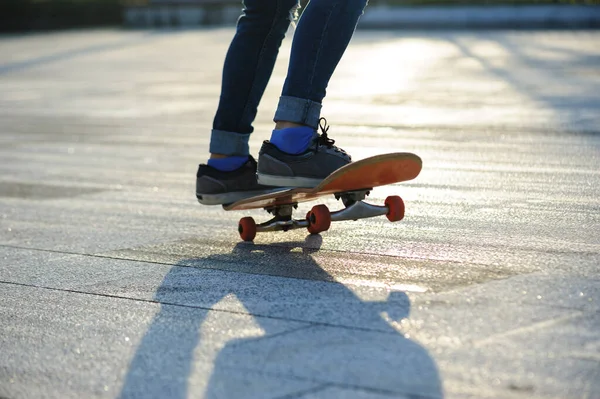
(34, 15)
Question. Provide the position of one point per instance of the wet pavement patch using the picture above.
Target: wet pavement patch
(42, 191)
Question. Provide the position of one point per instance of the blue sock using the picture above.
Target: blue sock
(293, 140)
(227, 164)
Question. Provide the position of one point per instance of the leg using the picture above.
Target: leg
(296, 155)
(231, 173)
(321, 39)
(247, 70)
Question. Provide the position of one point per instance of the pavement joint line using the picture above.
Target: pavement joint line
(348, 386)
(533, 327)
(418, 259)
(372, 254)
(278, 245)
(279, 334)
(300, 394)
(409, 395)
(421, 258)
(367, 254)
(331, 250)
(311, 323)
(582, 310)
(460, 390)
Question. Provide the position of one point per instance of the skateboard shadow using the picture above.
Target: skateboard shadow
(296, 334)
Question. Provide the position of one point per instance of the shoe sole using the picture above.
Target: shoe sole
(287, 181)
(229, 198)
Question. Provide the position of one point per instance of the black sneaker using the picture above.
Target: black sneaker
(278, 168)
(214, 187)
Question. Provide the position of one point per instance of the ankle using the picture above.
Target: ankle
(292, 140)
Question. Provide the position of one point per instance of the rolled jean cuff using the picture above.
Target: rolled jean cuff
(229, 143)
(298, 110)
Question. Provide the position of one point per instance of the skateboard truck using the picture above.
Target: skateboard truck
(319, 218)
(350, 197)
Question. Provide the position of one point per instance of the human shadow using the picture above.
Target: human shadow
(314, 335)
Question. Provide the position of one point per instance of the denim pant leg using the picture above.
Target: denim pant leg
(247, 70)
(321, 38)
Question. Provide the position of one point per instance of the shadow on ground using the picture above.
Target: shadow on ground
(316, 336)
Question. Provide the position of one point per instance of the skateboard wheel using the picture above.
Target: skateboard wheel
(319, 219)
(395, 207)
(247, 228)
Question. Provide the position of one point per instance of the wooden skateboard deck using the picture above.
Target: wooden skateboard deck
(379, 170)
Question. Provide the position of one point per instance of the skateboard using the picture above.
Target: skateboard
(351, 184)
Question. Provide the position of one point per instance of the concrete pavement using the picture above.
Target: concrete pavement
(114, 282)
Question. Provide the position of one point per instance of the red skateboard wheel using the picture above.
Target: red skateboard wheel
(395, 207)
(319, 219)
(247, 228)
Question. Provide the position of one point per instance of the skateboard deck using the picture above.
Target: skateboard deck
(379, 170)
(351, 183)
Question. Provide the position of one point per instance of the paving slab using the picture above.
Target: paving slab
(114, 282)
(66, 345)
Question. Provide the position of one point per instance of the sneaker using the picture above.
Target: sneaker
(308, 169)
(215, 187)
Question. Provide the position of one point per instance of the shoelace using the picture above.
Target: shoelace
(324, 138)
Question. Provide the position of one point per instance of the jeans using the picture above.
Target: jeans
(322, 35)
